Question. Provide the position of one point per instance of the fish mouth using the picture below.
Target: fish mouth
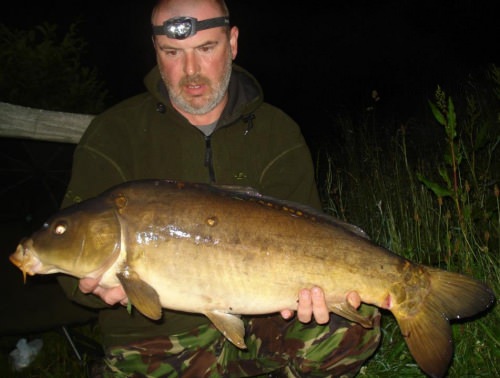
(25, 259)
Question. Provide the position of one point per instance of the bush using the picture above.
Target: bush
(41, 71)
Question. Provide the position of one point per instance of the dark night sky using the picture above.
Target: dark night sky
(313, 58)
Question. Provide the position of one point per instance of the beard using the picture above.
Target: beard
(207, 103)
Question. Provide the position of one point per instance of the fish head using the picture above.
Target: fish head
(82, 240)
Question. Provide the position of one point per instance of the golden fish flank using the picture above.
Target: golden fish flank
(165, 242)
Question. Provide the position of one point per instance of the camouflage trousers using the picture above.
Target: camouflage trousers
(276, 348)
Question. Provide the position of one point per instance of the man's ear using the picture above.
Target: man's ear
(233, 40)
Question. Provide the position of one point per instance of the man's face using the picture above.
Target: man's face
(196, 70)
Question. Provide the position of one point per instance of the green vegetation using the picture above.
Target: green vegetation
(437, 204)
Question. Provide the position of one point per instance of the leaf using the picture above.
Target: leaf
(444, 175)
(437, 114)
(435, 187)
(458, 153)
(451, 126)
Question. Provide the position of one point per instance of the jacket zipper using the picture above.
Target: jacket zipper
(208, 158)
(208, 146)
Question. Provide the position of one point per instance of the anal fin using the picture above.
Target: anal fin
(347, 311)
(142, 295)
(231, 326)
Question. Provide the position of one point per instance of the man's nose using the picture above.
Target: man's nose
(191, 65)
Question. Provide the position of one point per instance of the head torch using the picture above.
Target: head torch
(184, 27)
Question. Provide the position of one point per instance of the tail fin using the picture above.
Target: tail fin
(428, 333)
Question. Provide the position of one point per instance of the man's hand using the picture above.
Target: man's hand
(111, 296)
(312, 303)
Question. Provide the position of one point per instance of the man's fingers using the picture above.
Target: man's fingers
(354, 299)
(304, 310)
(286, 314)
(320, 311)
(124, 302)
(88, 285)
(111, 296)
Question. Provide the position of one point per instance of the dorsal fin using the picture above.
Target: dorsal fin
(251, 194)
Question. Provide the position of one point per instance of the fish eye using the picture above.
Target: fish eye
(60, 228)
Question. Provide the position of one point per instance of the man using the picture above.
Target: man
(203, 119)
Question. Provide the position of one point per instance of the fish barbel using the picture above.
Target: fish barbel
(224, 253)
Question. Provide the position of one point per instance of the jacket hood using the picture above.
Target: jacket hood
(245, 94)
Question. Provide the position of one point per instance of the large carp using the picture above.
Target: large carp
(197, 248)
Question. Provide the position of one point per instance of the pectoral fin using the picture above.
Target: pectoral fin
(347, 311)
(231, 326)
(143, 296)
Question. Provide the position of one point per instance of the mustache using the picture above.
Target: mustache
(194, 79)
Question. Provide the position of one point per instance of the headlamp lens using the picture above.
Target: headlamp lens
(180, 27)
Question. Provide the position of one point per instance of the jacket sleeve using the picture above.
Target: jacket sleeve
(93, 172)
(289, 172)
(291, 176)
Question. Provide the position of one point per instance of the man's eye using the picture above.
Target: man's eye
(206, 48)
(170, 52)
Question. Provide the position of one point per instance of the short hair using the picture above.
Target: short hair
(221, 4)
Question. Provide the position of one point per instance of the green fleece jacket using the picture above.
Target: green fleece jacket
(254, 145)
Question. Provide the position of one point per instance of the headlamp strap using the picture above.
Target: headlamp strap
(212, 23)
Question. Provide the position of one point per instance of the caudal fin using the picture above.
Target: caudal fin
(428, 332)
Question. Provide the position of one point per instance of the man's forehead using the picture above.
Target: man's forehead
(197, 9)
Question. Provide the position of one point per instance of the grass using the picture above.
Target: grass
(438, 206)
(435, 201)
